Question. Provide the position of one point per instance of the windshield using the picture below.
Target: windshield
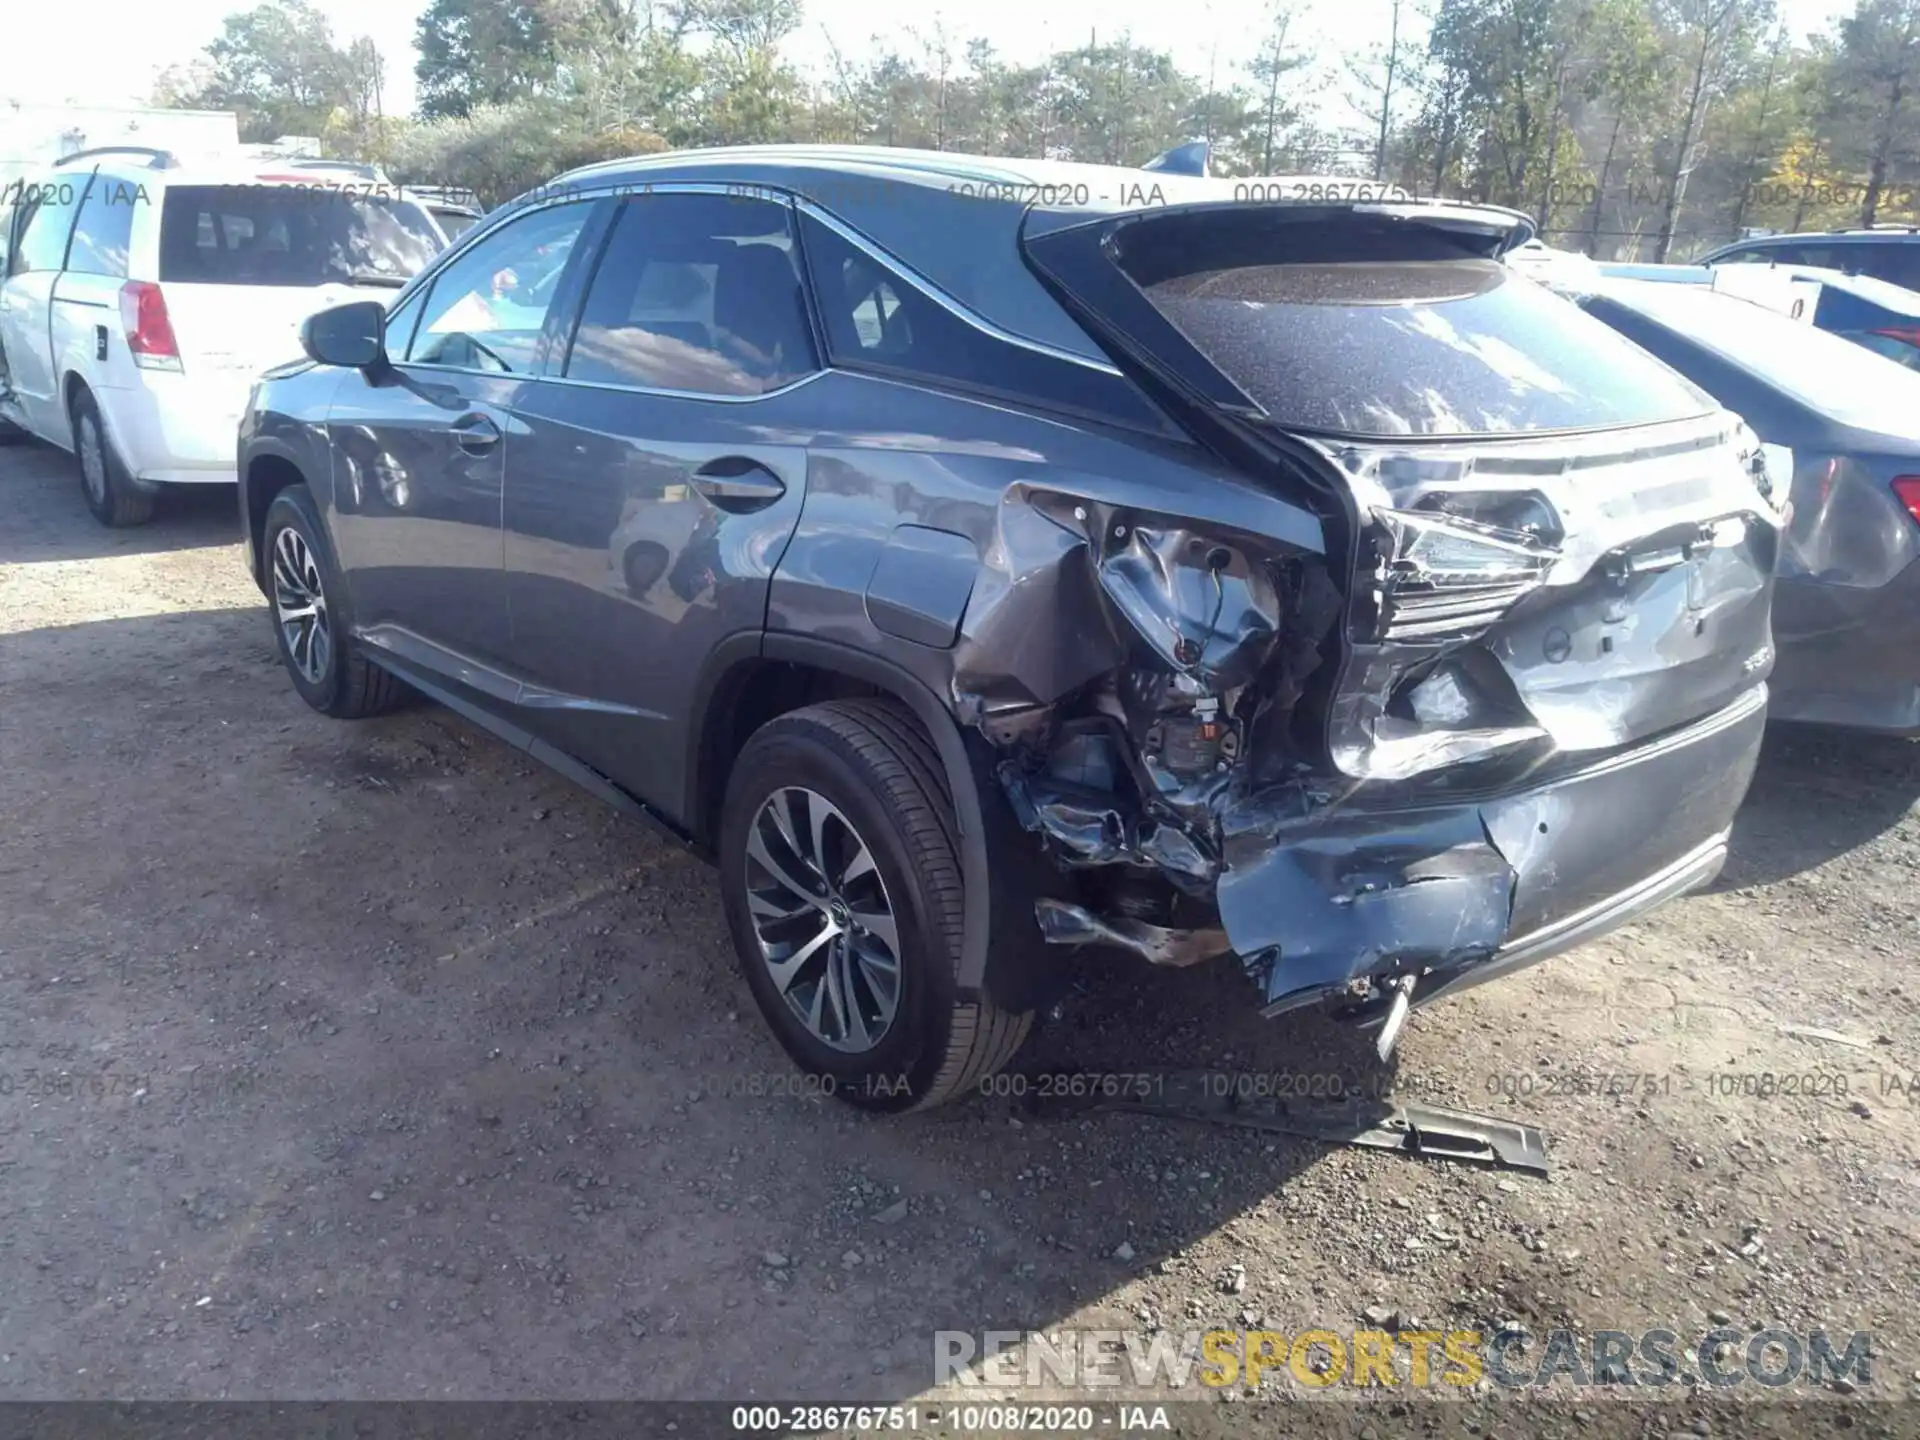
(1843, 381)
(290, 235)
(1427, 347)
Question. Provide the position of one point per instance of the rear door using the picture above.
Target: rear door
(659, 479)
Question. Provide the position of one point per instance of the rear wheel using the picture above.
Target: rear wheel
(308, 607)
(843, 895)
(105, 481)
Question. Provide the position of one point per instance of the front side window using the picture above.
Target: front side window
(487, 309)
(698, 293)
(45, 222)
(103, 234)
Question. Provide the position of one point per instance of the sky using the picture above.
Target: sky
(129, 42)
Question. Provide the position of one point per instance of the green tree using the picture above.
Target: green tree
(1876, 76)
(1710, 42)
(1273, 66)
(277, 68)
(483, 52)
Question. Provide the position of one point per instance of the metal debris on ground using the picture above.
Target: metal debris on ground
(1426, 1131)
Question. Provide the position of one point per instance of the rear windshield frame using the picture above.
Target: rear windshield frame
(303, 218)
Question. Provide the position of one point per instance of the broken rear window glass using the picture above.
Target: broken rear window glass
(1424, 347)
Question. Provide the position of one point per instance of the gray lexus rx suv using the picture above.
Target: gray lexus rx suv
(977, 558)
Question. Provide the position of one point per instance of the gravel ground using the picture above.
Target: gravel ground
(395, 1067)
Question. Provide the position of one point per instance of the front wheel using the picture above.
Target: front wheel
(307, 600)
(843, 894)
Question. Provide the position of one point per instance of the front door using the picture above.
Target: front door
(42, 225)
(661, 475)
(421, 449)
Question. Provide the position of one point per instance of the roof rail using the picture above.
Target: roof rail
(156, 159)
(352, 167)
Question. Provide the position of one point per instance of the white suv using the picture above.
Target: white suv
(142, 296)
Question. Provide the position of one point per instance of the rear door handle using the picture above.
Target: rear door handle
(475, 434)
(737, 484)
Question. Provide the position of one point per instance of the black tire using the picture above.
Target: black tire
(114, 498)
(348, 686)
(872, 761)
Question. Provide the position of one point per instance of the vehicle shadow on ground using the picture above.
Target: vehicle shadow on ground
(185, 517)
(1817, 794)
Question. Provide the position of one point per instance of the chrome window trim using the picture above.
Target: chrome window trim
(772, 194)
(664, 394)
(946, 302)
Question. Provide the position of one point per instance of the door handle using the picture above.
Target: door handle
(475, 434)
(738, 485)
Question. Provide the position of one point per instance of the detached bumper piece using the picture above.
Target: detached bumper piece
(1425, 1132)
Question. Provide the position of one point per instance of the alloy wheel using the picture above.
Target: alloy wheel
(300, 605)
(820, 911)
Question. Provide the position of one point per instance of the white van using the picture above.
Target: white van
(142, 296)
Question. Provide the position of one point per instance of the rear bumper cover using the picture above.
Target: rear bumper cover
(1459, 893)
(1849, 655)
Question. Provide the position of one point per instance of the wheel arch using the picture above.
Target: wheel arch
(753, 679)
(268, 472)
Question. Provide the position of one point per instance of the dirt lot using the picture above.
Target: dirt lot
(395, 1067)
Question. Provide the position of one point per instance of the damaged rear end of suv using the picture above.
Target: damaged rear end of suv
(1503, 693)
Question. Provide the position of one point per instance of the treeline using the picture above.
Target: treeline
(1634, 128)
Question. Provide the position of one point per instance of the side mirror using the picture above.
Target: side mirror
(350, 336)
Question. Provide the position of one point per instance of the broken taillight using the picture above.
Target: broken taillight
(1450, 578)
(1907, 487)
(143, 315)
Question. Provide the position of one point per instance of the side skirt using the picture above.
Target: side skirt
(435, 687)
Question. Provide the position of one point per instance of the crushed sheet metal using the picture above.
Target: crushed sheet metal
(1424, 1131)
(1065, 924)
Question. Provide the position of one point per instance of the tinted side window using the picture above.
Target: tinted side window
(104, 232)
(698, 293)
(1895, 261)
(877, 319)
(46, 222)
(487, 309)
(1755, 256)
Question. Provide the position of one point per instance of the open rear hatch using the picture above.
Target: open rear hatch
(1548, 548)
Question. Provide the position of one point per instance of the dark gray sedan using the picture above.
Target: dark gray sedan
(1844, 423)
